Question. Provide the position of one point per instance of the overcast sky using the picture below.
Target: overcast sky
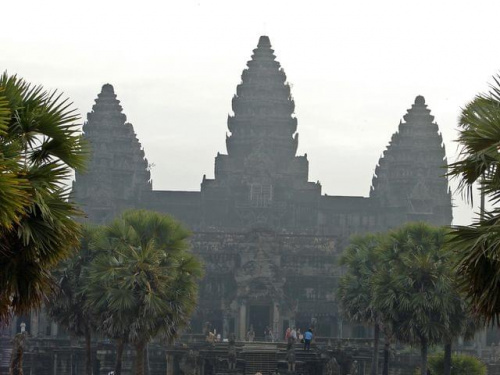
(355, 68)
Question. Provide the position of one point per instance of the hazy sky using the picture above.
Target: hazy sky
(355, 68)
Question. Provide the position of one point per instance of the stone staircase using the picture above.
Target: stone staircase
(5, 360)
(262, 357)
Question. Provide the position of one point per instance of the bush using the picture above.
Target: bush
(461, 364)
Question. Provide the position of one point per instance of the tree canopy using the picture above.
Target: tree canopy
(144, 282)
(40, 145)
(404, 281)
(478, 245)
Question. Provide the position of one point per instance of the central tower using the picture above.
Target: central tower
(261, 181)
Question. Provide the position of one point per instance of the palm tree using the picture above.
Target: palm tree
(145, 283)
(355, 286)
(68, 305)
(14, 196)
(415, 287)
(478, 245)
(39, 146)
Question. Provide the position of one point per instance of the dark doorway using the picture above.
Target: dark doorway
(260, 318)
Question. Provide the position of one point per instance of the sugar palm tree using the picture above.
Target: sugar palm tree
(68, 305)
(145, 283)
(39, 146)
(478, 245)
(14, 196)
(415, 287)
(355, 287)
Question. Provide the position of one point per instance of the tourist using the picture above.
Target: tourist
(251, 334)
(308, 335)
(293, 334)
(288, 332)
(300, 336)
(271, 335)
(210, 338)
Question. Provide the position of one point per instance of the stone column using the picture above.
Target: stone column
(53, 329)
(481, 341)
(276, 322)
(170, 364)
(13, 326)
(242, 321)
(34, 324)
(225, 326)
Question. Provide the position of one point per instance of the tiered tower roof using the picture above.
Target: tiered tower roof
(118, 171)
(263, 140)
(410, 175)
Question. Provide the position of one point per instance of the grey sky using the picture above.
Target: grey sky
(355, 67)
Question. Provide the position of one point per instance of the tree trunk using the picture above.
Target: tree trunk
(88, 352)
(139, 358)
(16, 359)
(376, 339)
(387, 348)
(447, 358)
(120, 344)
(148, 368)
(423, 357)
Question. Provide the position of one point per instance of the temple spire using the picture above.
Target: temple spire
(261, 170)
(410, 180)
(118, 172)
(263, 112)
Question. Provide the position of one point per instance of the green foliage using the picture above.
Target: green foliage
(478, 245)
(144, 282)
(68, 305)
(355, 286)
(461, 364)
(40, 145)
(415, 287)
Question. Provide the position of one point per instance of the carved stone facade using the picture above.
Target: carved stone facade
(268, 237)
(117, 175)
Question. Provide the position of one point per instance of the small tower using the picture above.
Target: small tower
(117, 173)
(409, 182)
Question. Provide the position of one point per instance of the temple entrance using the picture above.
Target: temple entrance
(260, 318)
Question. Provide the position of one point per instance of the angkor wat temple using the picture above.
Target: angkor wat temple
(269, 238)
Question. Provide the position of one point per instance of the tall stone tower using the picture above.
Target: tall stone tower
(409, 182)
(261, 181)
(117, 174)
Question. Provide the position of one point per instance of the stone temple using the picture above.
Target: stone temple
(269, 238)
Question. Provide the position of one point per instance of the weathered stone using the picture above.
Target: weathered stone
(117, 174)
(268, 238)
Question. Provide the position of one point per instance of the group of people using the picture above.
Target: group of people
(268, 334)
(293, 335)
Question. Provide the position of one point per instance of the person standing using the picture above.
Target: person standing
(251, 334)
(308, 336)
(293, 334)
(288, 332)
